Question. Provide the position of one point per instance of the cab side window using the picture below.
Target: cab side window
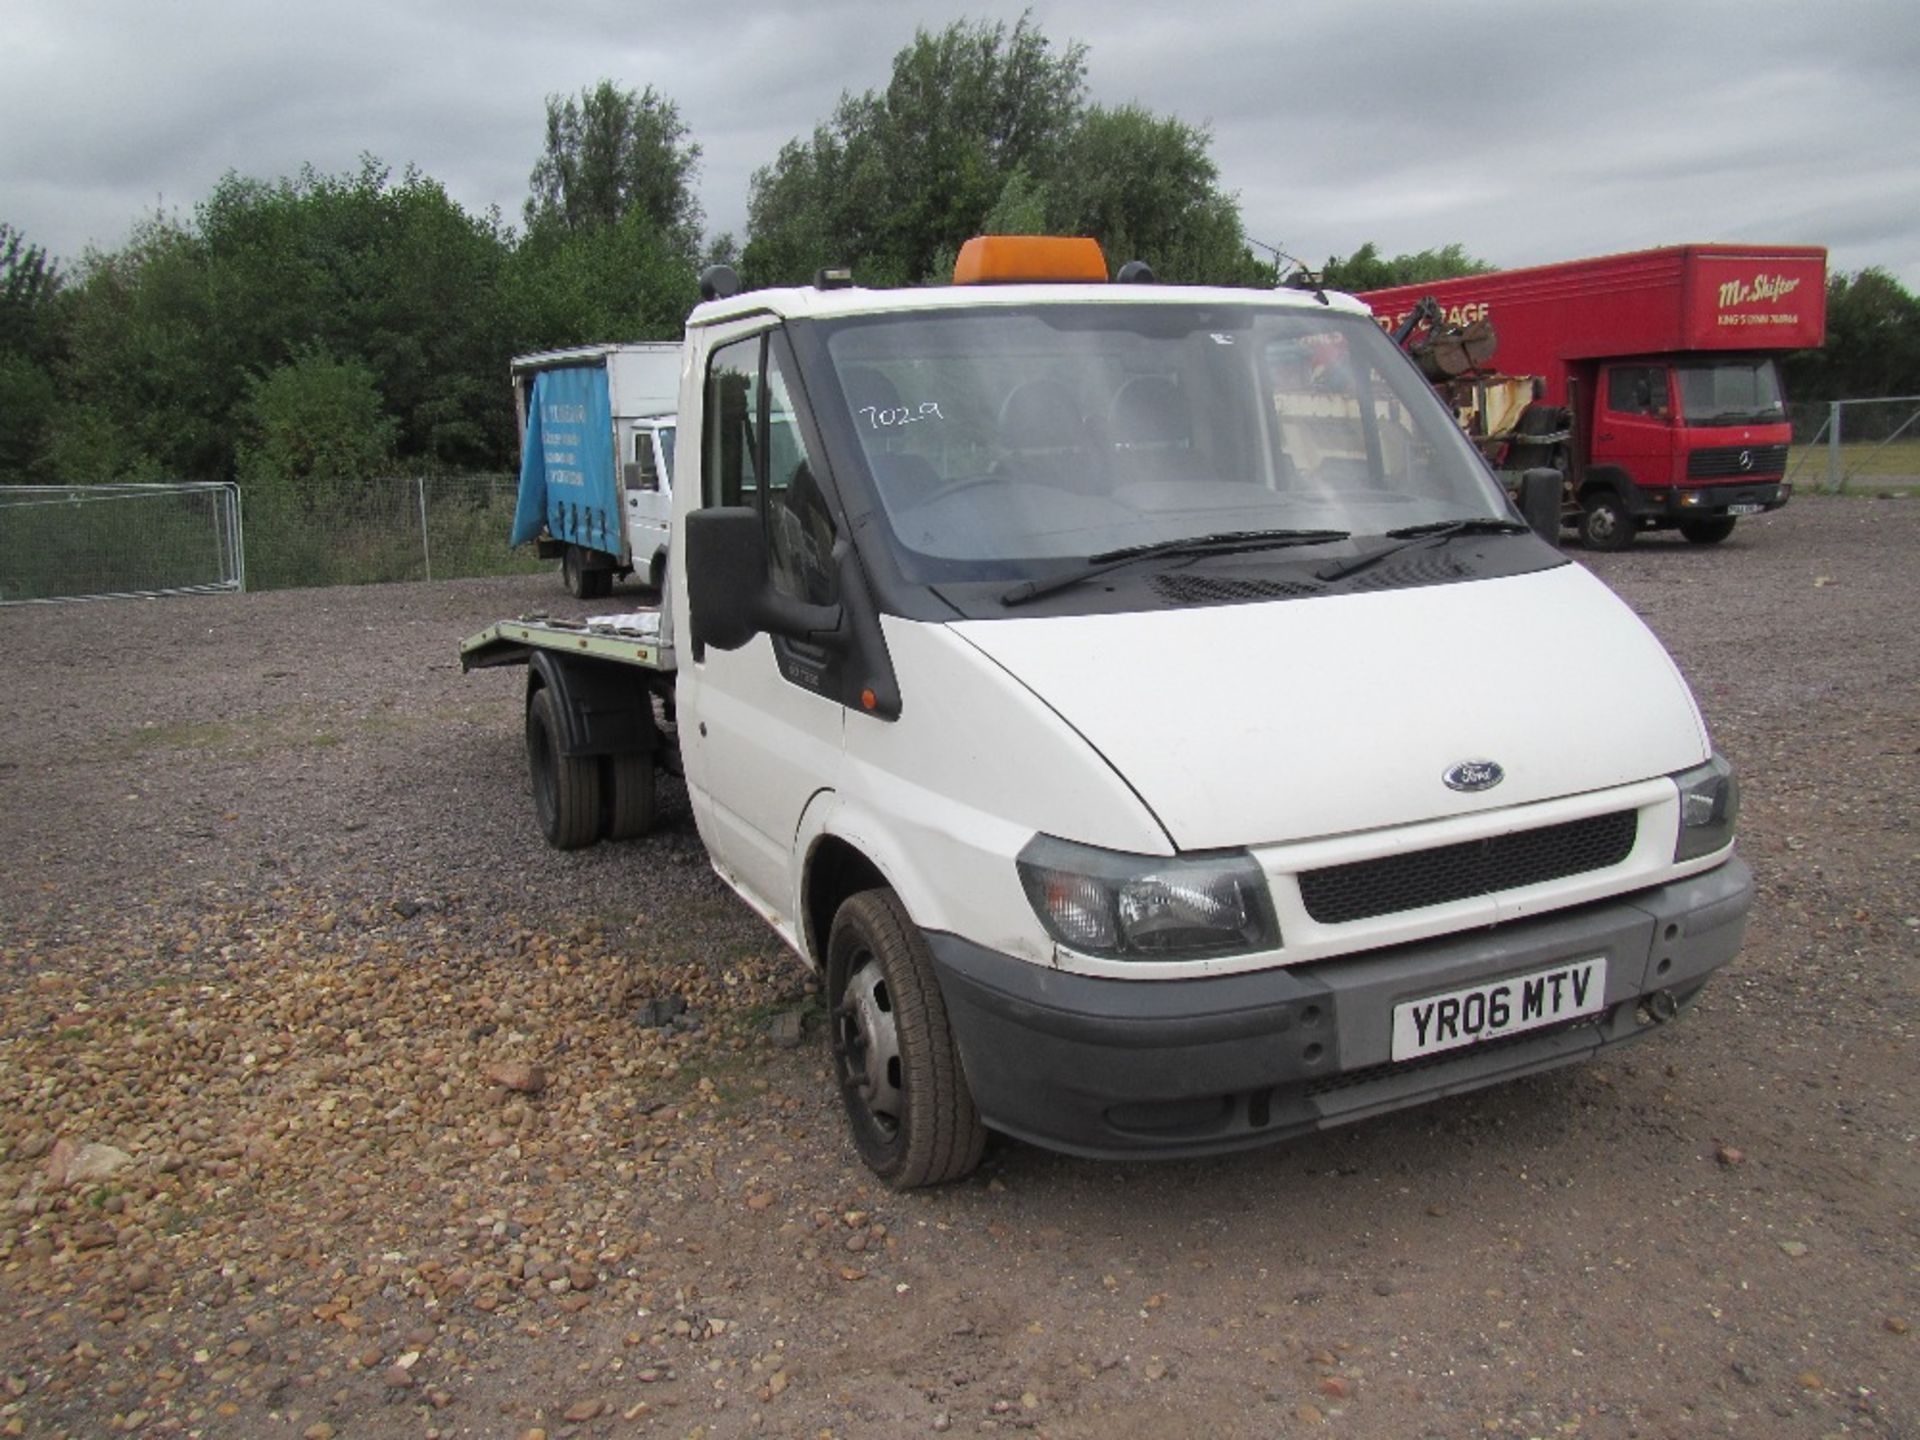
(757, 457)
(1637, 390)
(643, 473)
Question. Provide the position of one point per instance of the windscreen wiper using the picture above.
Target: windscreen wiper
(1226, 543)
(1409, 535)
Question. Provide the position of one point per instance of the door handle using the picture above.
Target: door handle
(1606, 434)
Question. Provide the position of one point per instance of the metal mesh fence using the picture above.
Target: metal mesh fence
(408, 527)
(72, 542)
(89, 542)
(1865, 445)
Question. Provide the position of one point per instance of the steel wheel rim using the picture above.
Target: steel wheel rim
(870, 1036)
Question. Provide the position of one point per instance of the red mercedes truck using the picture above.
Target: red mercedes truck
(1657, 393)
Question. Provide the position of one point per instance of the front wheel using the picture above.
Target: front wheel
(1710, 531)
(893, 1051)
(1605, 523)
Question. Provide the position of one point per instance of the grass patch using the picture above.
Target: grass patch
(1864, 464)
(183, 735)
(292, 728)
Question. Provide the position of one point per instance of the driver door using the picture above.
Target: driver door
(1633, 423)
(758, 737)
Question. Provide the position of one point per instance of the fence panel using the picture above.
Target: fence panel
(1871, 445)
(93, 542)
(400, 527)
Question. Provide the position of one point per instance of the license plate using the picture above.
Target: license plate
(1747, 509)
(1500, 1007)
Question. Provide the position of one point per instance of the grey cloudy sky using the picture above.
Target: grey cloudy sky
(1528, 131)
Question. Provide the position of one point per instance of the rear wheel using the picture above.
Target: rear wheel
(1605, 523)
(627, 784)
(893, 1050)
(1710, 531)
(584, 580)
(566, 788)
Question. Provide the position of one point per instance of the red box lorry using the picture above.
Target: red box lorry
(1657, 395)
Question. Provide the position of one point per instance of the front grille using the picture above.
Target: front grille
(1366, 888)
(1722, 462)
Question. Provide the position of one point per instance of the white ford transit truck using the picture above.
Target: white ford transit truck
(1146, 712)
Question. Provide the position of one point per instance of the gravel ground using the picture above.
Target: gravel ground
(332, 1103)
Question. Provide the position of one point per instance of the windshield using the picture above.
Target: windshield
(1004, 441)
(1730, 392)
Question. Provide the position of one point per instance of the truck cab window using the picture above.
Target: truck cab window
(757, 457)
(1637, 390)
(643, 473)
(1731, 392)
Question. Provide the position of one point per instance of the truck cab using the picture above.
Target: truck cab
(647, 478)
(1659, 395)
(1694, 442)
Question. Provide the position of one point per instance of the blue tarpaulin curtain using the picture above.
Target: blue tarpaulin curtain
(569, 478)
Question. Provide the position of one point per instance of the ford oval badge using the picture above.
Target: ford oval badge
(1473, 775)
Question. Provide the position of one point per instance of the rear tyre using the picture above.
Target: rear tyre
(566, 788)
(893, 1051)
(627, 783)
(1605, 523)
(574, 573)
(1707, 532)
(584, 579)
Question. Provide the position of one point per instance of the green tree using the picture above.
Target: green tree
(149, 378)
(898, 178)
(393, 273)
(163, 335)
(314, 441)
(1367, 269)
(313, 431)
(29, 343)
(1873, 342)
(624, 281)
(1146, 187)
(613, 153)
(985, 129)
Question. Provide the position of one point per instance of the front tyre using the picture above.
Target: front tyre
(893, 1051)
(1605, 523)
(1710, 531)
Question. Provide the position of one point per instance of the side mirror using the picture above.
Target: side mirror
(730, 592)
(1540, 500)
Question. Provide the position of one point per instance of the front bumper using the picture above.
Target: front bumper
(1118, 1068)
(1711, 502)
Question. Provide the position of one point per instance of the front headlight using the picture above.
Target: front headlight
(1148, 907)
(1709, 804)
